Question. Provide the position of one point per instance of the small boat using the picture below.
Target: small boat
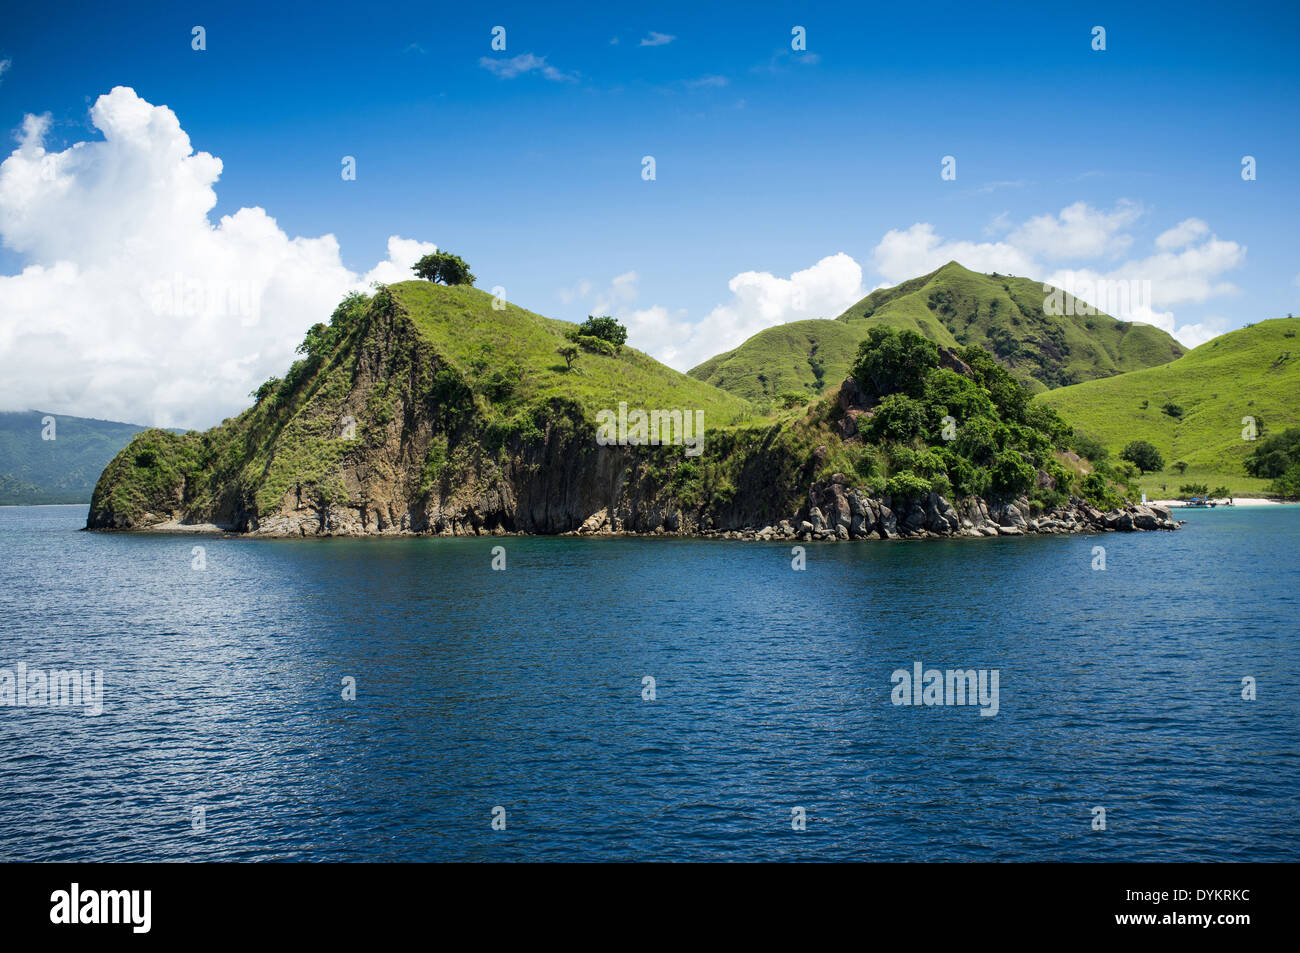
(1198, 503)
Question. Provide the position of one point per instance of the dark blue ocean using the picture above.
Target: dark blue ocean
(224, 734)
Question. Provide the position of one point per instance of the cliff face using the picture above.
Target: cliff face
(388, 431)
(425, 410)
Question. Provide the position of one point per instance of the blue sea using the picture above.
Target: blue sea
(521, 696)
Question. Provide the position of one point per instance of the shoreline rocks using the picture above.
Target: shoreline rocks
(834, 514)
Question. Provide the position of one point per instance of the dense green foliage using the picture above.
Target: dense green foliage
(605, 329)
(938, 430)
(893, 362)
(1278, 458)
(36, 471)
(445, 267)
(1142, 455)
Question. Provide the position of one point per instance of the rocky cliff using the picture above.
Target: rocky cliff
(428, 410)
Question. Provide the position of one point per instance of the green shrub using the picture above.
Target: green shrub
(1143, 455)
(890, 361)
(906, 485)
(897, 417)
(1012, 473)
(1273, 456)
(605, 329)
(1099, 492)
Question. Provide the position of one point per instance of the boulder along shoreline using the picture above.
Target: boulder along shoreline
(836, 513)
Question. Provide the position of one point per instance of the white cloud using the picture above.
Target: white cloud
(758, 300)
(580, 290)
(657, 39)
(783, 58)
(706, 82)
(988, 187)
(1182, 234)
(1191, 276)
(622, 291)
(1187, 267)
(133, 305)
(918, 250)
(403, 253)
(1079, 231)
(521, 64)
(4, 67)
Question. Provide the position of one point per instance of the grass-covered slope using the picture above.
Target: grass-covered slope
(1251, 372)
(35, 470)
(406, 396)
(954, 307)
(477, 341)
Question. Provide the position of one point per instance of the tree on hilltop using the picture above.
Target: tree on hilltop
(445, 267)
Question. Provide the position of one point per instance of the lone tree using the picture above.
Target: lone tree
(445, 267)
(605, 328)
(570, 354)
(1144, 456)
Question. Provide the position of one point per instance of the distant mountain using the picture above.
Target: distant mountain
(1191, 410)
(35, 470)
(952, 306)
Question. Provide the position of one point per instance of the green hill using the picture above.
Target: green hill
(34, 470)
(1254, 371)
(425, 409)
(469, 335)
(420, 396)
(953, 307)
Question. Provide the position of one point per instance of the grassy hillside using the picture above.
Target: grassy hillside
(468, 334)
(1254, 371)
(424, 409)
(416, 359)
(954, 307)
(63, 470)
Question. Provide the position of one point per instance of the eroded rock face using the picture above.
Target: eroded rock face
(934, 515)
(561, 482)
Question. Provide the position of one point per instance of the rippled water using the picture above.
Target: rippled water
(523, 689)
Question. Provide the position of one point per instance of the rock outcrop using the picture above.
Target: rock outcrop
(384, 433)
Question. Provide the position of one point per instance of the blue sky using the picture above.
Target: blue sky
(767, 160)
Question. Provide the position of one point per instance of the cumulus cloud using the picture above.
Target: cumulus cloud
(657, 39)
(906, 253)
(1187, 267)
(1190, 276)
(1182, 234)
(758, 300)
(1078, 231)
(521, 64)
(132, 304)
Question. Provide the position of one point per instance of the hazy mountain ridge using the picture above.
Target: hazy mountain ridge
(35, 470)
